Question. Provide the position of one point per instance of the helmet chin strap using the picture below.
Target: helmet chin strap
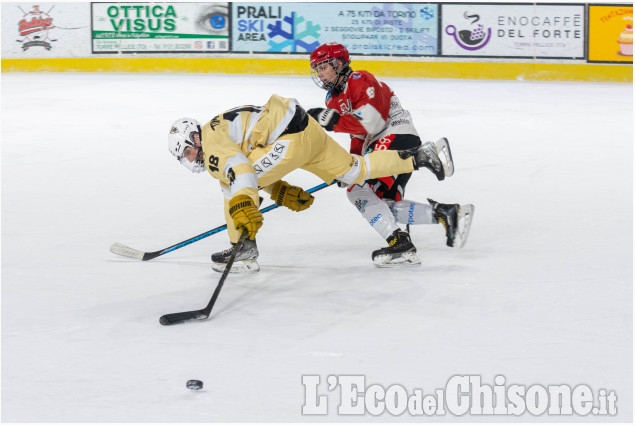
(339, 87)
(199, 149)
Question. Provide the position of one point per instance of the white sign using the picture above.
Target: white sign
(533, 31)
(45, 30)
(160, 27)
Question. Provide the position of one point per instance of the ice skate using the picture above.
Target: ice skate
(456, 219)
(436, 157)
(245, 261)
(399, 252)
(442, 148)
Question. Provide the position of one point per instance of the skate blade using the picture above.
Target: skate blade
(409, 259)
(465, 215)
(242, 266)
(445, 155)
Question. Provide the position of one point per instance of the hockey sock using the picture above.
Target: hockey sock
(411, 212)
(376, 212)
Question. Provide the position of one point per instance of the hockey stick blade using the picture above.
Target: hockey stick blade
(126, 251)
(186, 316)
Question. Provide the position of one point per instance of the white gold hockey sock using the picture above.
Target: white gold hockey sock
(411, 212)
(374, 210)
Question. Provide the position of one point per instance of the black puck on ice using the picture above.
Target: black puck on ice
(194, 384)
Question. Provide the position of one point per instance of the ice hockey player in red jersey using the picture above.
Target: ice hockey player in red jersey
(366, 108)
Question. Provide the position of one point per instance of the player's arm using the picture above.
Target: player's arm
(370, 108)
(224, 161)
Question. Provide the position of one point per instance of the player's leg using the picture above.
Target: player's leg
(400, 249)
(245, 261)
(456, 219)
(406, 211)
(374, 211)
(324, 157)
(411, 212)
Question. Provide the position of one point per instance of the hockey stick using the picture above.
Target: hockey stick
(186, 316)
(121, 249)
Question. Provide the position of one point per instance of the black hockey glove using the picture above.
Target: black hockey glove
(326, 117)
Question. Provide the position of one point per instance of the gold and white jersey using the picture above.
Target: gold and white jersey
(251, 147)
(229, 138)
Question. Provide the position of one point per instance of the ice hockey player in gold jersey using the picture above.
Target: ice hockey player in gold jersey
(248, 148)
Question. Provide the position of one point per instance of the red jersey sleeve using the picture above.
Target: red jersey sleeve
(356, 145)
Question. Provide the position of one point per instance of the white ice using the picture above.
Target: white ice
(541, 294)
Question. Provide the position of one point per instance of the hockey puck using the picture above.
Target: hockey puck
(194, 384)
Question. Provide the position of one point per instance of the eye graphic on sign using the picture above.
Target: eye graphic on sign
(213, 19)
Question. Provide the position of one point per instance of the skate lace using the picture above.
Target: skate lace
(396, 240)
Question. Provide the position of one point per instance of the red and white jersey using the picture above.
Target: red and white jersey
(369, 111)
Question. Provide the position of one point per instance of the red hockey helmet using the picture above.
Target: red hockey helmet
(329, 54)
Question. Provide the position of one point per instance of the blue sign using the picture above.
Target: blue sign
(364, 28)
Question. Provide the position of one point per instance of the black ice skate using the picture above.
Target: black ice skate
(436, 157)
(456, 219)
(399, 252)
(245, 261)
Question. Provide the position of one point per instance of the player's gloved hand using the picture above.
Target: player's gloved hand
(245, 214)
(292, 197)
(326, 117)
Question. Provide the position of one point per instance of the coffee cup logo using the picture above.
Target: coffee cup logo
(474, 38)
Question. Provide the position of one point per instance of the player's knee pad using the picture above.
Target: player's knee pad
(361, 192)
(373, 209)
(359, 170)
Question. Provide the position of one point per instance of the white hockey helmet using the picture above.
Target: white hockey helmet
(182, 135)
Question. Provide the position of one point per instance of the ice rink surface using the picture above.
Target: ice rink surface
(541, 294)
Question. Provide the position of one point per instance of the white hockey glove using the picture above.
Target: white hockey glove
(326, 117)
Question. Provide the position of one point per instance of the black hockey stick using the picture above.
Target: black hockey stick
(187, 316)
(121, 249)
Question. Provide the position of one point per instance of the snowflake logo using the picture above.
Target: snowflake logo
(294, 38)
(426, 13)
